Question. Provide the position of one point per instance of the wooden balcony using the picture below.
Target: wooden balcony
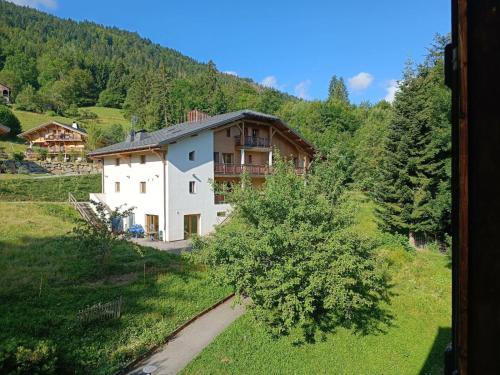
(62, 137)
(251, 142)
(221, 169)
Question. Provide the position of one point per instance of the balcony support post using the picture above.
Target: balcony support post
(242, 151)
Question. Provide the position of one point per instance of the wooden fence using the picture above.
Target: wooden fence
(101, 311)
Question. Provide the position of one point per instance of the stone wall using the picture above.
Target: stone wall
(51, 167)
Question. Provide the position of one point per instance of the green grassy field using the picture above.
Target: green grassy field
(45, 281)
(53, 189)
(413, 342)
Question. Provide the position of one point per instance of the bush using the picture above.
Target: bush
(85, 114)
(18, 156)
(108, 98)
(29, 100)
(72, 111)
(8, 118)
(17, 357)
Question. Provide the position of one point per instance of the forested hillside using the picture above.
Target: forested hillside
(55, 64)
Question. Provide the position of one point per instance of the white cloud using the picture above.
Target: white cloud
(270, 81)
(231, 73)
(302, 89)
(360, 81)
(391, 89)
(51, 4)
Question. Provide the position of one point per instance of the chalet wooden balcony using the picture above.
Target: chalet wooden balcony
(221, 169)
(251, 142)
(61, 137)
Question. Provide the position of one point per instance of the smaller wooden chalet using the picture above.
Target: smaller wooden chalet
(56, 137)
(4, 130)
(4, 93)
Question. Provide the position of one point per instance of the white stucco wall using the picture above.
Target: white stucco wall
(130, 177)
(181, 170)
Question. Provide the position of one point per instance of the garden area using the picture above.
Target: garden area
(46, 280)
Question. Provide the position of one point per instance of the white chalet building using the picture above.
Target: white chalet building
(166, 174)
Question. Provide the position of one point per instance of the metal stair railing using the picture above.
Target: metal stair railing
(80, 208)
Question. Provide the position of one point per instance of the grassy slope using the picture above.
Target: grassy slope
(414, 343)
(105, 118)
(54, 189)
(34, 245)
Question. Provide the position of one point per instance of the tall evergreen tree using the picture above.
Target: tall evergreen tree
(337, 90)
(414, 189)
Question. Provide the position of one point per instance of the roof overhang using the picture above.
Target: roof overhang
(66, 126)
(137, 150)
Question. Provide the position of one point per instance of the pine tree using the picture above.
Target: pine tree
(337, 90)
(414, 190)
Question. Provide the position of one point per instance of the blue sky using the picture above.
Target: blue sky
(295, 46)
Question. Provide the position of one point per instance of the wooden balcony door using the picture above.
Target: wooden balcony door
(191, 225)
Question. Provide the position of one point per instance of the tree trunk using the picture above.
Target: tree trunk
(411, 239)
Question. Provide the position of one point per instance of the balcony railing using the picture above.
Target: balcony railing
(252, 141)
(61, 137)
(252, 169)
(236, 169)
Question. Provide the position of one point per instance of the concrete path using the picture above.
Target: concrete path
(189, 342)
(175, 247)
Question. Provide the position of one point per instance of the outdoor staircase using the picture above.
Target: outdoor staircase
(84, 209)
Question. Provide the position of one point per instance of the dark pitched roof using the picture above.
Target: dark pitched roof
(66, 126)
(173, 133)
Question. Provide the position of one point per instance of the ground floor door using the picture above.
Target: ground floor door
(152, 226)
(191, 225)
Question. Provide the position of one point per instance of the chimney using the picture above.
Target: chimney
(74, 125)
(131, 136)
(197, 116)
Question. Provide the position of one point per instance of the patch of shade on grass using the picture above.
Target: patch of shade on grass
(35, 249)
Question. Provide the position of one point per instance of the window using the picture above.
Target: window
(228, 132)
(117, 187)
(143, 159)
(192, 187)
(191, 155)
(221, 213)
(227, 158)
(117, 162)
(249, 159)
(216, 157)
(142, 187)
(255, 132)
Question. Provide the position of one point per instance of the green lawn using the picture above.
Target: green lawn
(54, 189)
(36, 250)
(413, 342)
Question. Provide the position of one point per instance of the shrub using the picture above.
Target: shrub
(72, 111)
(108, 98)
(29, 100)
(8, 118)
(85, 114)
(18, 357)
(18, 156)
(293, 249)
